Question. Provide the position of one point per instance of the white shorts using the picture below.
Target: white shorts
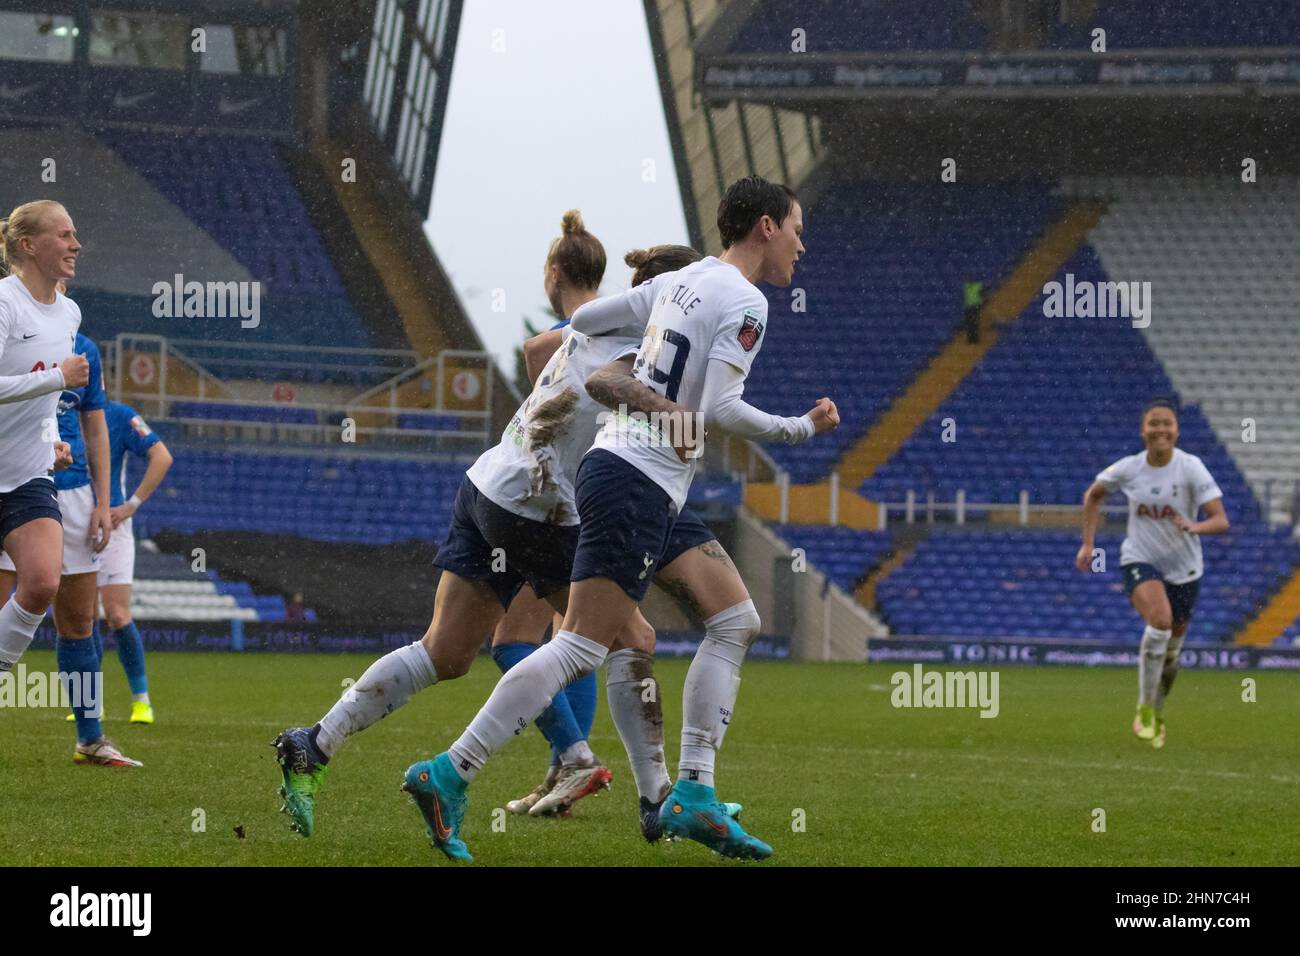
(76, 506)
(119, 556)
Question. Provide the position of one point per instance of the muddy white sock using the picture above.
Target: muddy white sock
(638, 715)
(387, 684)
(521, 695)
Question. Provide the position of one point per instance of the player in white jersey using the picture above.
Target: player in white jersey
(1161, 555)
(705, 324)
(38, 247)
(41, 249)
(694, 569)
(514, 522)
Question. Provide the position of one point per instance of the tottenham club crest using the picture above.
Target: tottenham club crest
(751, 329)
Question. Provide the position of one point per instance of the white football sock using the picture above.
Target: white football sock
(638, 714)
(1150, 663)
(578, 755)
(1168, 672)
(521, 695)
(17, 627)
(711, 687)
(387, 684)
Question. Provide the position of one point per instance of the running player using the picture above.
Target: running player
(128, 432)
(575, 265)
(694, 569)
(1161, 555)
(41, 249)
(705, 326)
(515, 521)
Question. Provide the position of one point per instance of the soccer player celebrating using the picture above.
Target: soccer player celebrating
(38, 247)
(705, 327)
(41, 249)
(515, 521)
(575, 265)
(1161, 555)
(128, 432)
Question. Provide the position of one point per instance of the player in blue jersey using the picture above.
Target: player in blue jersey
(705, 325)
(83, 496)
(128, 432)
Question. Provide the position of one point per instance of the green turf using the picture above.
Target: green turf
(876, 785)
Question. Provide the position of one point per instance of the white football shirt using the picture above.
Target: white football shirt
(34, 339)
(532, 470)
(1154, 496)
(705, 311)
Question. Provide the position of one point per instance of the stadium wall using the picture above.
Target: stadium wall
(715, 145)
(822, 622)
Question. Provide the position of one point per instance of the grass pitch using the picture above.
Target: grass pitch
(813, 743)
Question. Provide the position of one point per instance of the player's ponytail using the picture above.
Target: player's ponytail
(648, 263)
(4, 254)
(578, 253)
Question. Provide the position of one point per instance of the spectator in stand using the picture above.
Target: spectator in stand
(974, 300)
(294, 609)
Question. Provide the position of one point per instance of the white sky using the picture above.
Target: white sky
(567, 115)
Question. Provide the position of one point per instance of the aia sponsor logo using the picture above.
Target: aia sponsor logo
(1156, 511)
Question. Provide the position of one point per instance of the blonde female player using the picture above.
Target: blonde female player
(575, 265)
(128, 432)
(1161, 555)
(38, 331)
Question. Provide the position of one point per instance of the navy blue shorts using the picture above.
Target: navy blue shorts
(1182, 597)
(29, 501)
(688, 532)
(626, 523)
(538, 553)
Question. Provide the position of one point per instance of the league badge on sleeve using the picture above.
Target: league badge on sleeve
(751, 329)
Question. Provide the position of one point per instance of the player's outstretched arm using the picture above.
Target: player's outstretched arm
(538, 351)
(615, 387)
(612, 313)
(1092, 499)
(723, 408)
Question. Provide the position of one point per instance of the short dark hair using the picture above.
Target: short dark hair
(657, 260)
(1159, 403)
(746, 202)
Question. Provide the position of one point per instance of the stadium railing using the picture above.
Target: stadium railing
(450, 394)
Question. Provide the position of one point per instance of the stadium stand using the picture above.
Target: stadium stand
(867, 25)
(1061, 427)
(982, 583)
(1197, 23)
(325, 497)
(168, 589)
(845, 555)
(1221, 257)
(883, 284)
